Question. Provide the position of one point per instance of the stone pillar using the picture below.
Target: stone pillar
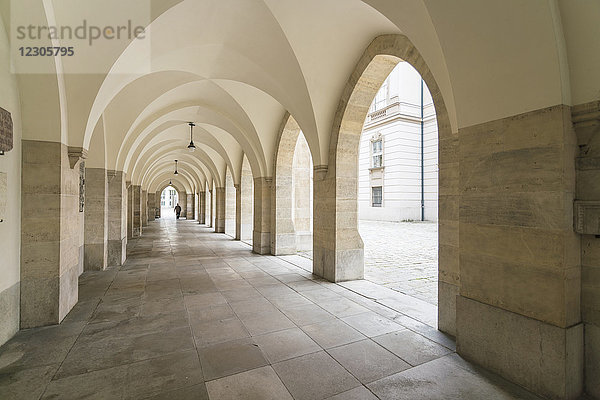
(238, 212)
(246, 198)
(183, 203)
(202, 208)
(284, 233)
(117, 218)
(338, 250)
(261, 236)
(137, 211)
(586, 118)
(302, 192)
(50, 231)
(210, 202)
(193, 207)
(95, 256)
(189, 206)
(129, 210)
(220, 210)
(151, 206)
(144, 208)
(518, 311)
(157, 203)
(230, 206)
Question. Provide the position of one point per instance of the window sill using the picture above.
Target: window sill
(376, 168)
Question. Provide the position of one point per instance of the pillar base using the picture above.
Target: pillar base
(340, 265)
(46, 301)
(261, 242)
(284, 244)
(9, 312)
(543, 358)
(447, 311)
(117, 252)
(95, 256)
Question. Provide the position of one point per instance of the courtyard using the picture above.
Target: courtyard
(402, 256)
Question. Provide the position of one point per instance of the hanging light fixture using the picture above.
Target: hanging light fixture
(191, 146)
(176, 173)
(170, 183)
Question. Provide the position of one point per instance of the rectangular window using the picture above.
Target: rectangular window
(377, 153)
(376, 195)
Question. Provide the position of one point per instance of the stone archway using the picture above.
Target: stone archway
(181, 195)
(337, 245)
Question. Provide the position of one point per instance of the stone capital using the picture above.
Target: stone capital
(585, 115)
(76, 154)
(110, 174)
(320, 171)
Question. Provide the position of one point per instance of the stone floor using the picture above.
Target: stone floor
(402, 256)
(195, 315)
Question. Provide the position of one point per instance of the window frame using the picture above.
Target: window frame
(380, 204)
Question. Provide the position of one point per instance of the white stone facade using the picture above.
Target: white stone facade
(395, 119)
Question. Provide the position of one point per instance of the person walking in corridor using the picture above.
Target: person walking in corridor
(177, 211)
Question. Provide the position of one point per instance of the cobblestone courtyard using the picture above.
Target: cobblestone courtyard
(402, 256)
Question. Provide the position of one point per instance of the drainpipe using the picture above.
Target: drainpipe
(422, 158)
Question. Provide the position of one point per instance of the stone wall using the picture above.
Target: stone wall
(518, 312)
(51, 233)
(247, 201)
(586, 119)
(117, 218)
(230, 205)
(302, 195)
(261, 235)
(219, 210)
(96, 220)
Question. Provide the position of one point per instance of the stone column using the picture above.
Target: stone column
(586, 119)
(183, 203)
(50, 231)
(137, 211)
(95, 256)
(189, 203)
(301, 177)
(202, 208)
(157, 204)
(117, 218)
(338, 250)
(518, 311)
(151, 206)
(246, 197)
(283, 238)
(261, 236)
(193, 207)
(220, 210)
(210, 204)
(230, 205)
(238, 212)
(129, 210)
(144, 216)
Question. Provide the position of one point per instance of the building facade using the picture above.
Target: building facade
(398, 163)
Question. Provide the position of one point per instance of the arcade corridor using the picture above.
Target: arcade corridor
(194, 315)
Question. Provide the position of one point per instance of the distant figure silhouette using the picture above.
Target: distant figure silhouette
(177, 211)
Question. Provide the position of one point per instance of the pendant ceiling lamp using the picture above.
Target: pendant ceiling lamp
(191, 146)
(176, 173)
